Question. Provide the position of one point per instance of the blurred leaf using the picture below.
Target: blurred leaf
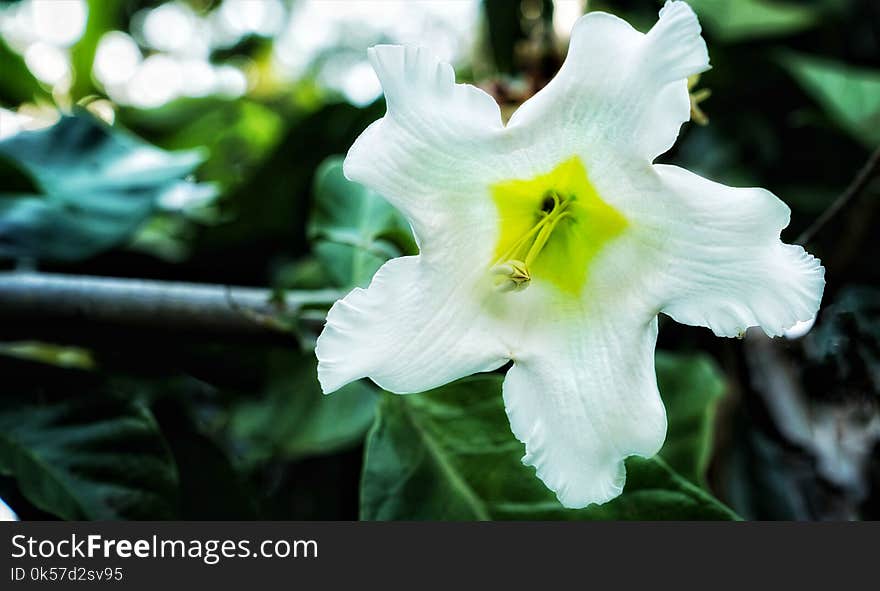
(80, 154)
(171, 116)
(354, 229)
(304, 273)
(850, 96)
(449, 454)
(324, 487)
(58, 355)
(295, 419)
(742, 20)
(165, 235)
(267, 214)
(98, 186)
(238, 135)
(210, 485)
(691, 386)
(92, 458)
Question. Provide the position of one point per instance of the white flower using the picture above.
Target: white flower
(6, 512)
(554, 242)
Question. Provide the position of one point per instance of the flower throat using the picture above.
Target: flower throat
(552, 226)
(512, 269)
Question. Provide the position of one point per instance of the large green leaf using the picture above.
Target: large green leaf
(850, 96)
(691, 386)
(354, 230)
(449, 454)
(738, 20)
(96, 457)
(294, 419)
(97, 186)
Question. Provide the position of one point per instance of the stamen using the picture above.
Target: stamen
(511, 270)
(543, 237)
(511, 276)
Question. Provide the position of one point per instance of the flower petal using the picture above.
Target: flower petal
(432, 148)
(619, 88)
(583, 396)
(726, 267)
(409, 331)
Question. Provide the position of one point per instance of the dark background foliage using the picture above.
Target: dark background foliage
(140, 424)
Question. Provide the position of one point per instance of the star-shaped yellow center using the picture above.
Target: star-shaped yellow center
(552, 227)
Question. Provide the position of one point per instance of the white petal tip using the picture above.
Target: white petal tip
(329, 383)
(378, 51)
(800, 329)
(334, 370)
(676, 44)
(571, 499)
(577, 489)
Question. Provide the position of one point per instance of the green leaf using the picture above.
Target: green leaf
(691, 386)
(354, 229)
(92, 458)
(295, 419)
(270, 207)
(850, 96)
(449, 454)
(97, 186)
(742, 20)
(210, 485)
(238, 134)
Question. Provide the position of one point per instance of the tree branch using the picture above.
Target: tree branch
(79, 309)
(858, 184)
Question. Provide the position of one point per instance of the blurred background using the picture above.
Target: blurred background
(200, 141)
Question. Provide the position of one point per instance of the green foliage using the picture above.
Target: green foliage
(211, 483)
(743, 20)
(94, 456)
(103, 17)
(238, 135)
(449, 454)
(294, 419)
(96, 186)
(353, 229)
(849, 95)
(691, 386)
(268, 211)
(221, 430)
(17, 84)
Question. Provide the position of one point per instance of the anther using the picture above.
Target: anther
(512, 268)
(511, 275)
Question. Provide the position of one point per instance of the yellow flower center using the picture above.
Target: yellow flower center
(552, 227)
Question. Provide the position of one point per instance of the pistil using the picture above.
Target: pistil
(512, 269)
